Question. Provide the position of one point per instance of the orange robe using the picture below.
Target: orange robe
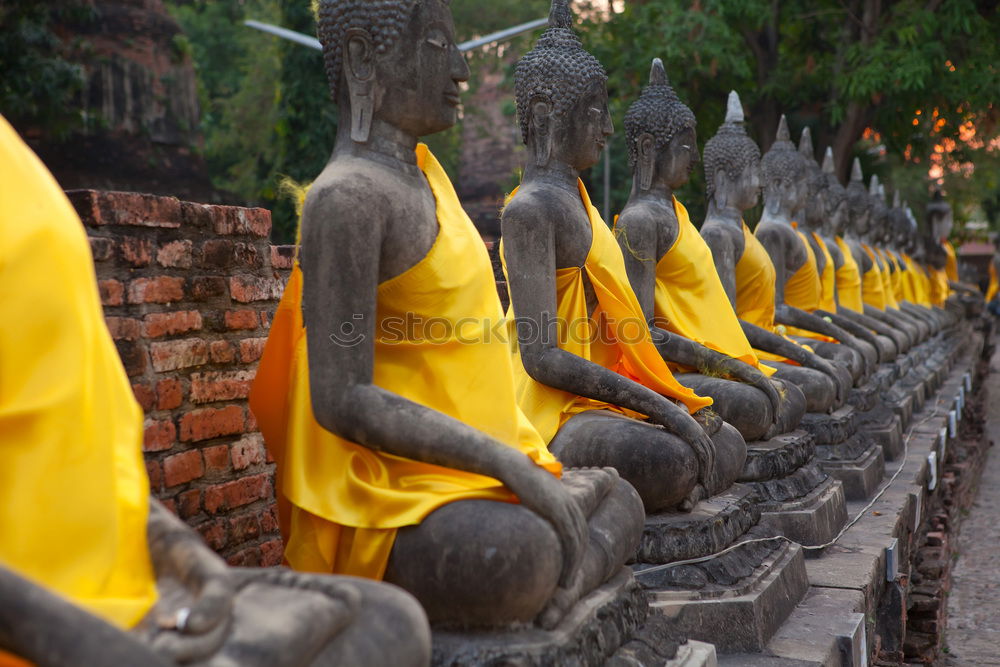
(849, 289)
(951, 262)
(994, 286)
(341, 503)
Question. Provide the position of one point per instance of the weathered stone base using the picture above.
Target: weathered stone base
(862, 476)
(589, 634)
(694, 654)
(745, 616)
(812, 520)
(885, 428)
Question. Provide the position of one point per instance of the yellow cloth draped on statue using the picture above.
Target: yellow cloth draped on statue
(994, 286)
(918, 281)
(804, 290)
(827, 279)
(872, 285)
(616, 336)
(907, 281)
(885, 269)
(341, 503)
(940, 290)
(74, 496)
(691, 301)
(849, 291)
(951, 261)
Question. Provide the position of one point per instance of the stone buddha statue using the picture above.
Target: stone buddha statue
(798, 288)
(940, 220)
(674, 279)
(732, 166)
(896, 238)
(401, 449)
(92, 570)
(589, 366)
(833, 199)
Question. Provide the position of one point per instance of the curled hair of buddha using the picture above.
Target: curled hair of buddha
(731, 149)
(558, 69)
(658, 111)
(879, 209)
(782, 161)
(815, 179)
(384, 20)
(899, 221)
(857, 194)
(835, 192)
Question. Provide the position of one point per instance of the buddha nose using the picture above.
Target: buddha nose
(459, 67)
(609, 127)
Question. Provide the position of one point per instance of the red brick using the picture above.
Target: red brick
(101, 248)
(244, 528)
(112, 292)
(214, 534)
(272, 553)
(231, 220)
(211, 423)
(222, 255)
(238, 493)
(203, 288)
(125, 208)
(282, 256)
(155, 473)
(176, 254)
(145, 396)
(158, 435)
(247, 289)
(249, 557)
(265, 318)
(242, 319)
(220, 386)
(215, 499)
(251, 349)
(248, 451)
(216, 458)
(85, 203)
(133, 356)
(222, 352)
(169, 394)
(196, 215)
(182, 468)
(162, 289)
(269, 520)
(124, 328)
(156, 325)
(175, 354)
(135, 251)
(170, 504)
(251, 422)
(189, 503)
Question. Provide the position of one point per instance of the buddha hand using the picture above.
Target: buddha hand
(677, 420)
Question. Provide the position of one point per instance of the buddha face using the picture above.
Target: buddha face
(746, 192)
(679, 158)
(579, 137)
(837, 219)
(419, 77)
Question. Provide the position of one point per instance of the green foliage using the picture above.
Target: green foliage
(40, 84)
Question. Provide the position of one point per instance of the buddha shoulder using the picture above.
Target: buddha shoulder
(534, 204)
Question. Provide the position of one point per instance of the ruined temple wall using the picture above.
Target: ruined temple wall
(188, 292)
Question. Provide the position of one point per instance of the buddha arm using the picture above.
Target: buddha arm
(964, 288)
(528, 228)
(341, 251)
(51, 631)
(787, 315)
(846, 321)
(762, 339)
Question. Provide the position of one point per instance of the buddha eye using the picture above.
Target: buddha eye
(439, 42)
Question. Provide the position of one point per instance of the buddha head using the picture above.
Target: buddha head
(879, 220)
(899, 224)
(782, 168)
(833, 197)
(939, 217)
(562, 97)
(732, 162)
(912, 243)
(660, 131)
(392, 60)
(815, 183)
(858, 205)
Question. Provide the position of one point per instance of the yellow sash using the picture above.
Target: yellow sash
(940, 290)
(828, 279)
(994, 286)
(951, 263)
(74, 497)
(691, 301)
(872, 285)
(341, 503)
(803, 288)
(917, 280)
(615, 336)
(887, 281)
(849, 280)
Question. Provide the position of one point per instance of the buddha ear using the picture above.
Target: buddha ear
(359, 70)
(541, 129)
(721, 182)
(645, 163)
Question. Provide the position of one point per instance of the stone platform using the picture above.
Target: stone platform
(845, 452)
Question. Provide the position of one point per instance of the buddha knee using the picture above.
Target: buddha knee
(478, 563)
(663, 471)
(743, 406)
(793, 407)
(730, 456)
(616, 526)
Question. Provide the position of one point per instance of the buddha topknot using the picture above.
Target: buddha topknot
(835, 192)
(658, 111)
(857, 194)
(731, 149)
(783, 161)
(557, 68)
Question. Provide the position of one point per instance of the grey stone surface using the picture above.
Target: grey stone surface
(823, 629)
(812, 520)
(862, 476)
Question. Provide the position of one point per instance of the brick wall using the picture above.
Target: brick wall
(188, 293)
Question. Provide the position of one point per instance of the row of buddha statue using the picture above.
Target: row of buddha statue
(499, 480)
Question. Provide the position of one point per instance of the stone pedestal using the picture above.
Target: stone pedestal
(846, 452)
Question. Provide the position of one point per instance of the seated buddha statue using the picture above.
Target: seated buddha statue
(797, 284)
(872, 286)
(814, 217)
(592, 380)
(732, 177)
(673, 276)
(832, 197)
(897, 231)
(92, 570)
(941, 222)
(401, 446)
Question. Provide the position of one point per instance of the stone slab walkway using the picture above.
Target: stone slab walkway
(973, 635)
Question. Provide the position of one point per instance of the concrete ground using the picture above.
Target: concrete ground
(973, 634)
